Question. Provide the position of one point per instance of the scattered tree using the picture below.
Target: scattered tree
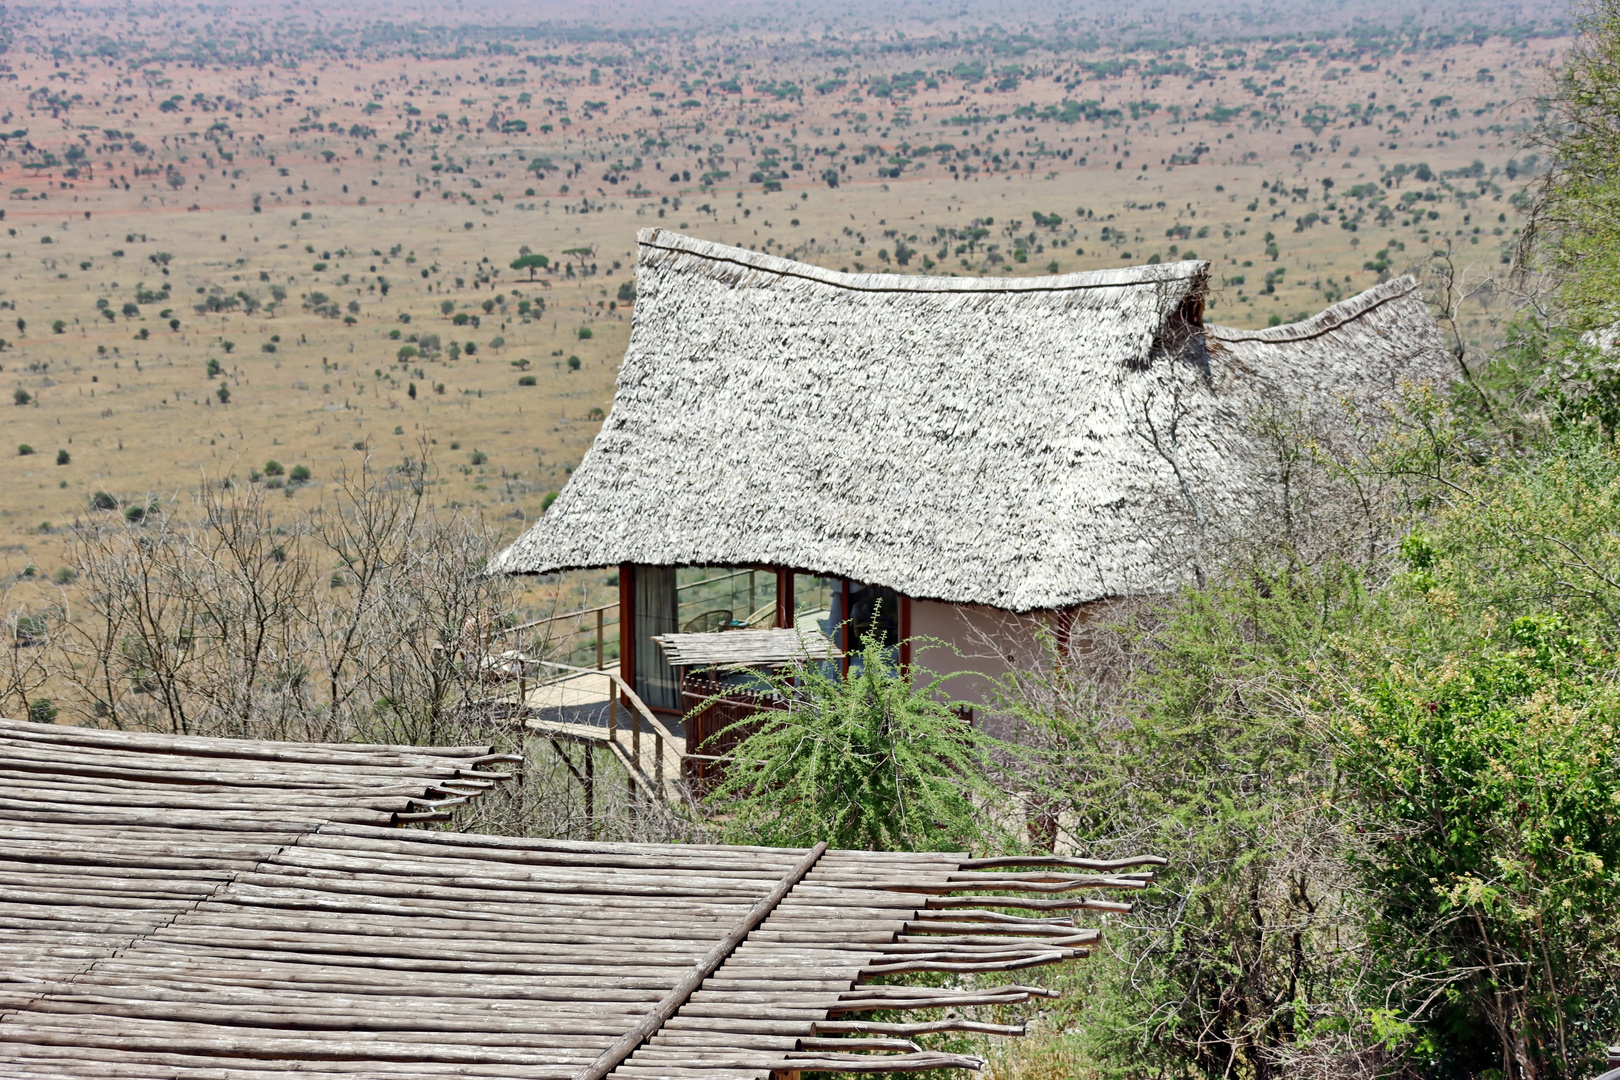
(531, 263)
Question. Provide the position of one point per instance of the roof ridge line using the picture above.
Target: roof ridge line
(1323, 322)
(917, 283)
(670, 1003)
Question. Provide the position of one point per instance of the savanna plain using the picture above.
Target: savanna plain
(242, 241)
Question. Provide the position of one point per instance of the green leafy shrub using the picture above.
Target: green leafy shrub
(872, 759)
(1497, 822)
(31, 629)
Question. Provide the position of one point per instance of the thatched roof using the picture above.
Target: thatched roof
(209, 909)
(1025, 443)
(1358, 351)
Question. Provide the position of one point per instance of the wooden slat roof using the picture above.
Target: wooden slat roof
(747, 648)
(205, 908)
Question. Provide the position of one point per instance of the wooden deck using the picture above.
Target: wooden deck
(595, 707)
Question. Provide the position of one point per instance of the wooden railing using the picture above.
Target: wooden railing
(600, 611)
(664, 782)
(602, 621)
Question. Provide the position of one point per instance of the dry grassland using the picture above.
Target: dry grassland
(294, 215)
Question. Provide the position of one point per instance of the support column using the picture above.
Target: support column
(627, 625)
(1065, 626)
(905, 635)
(845, 637)
(784, 599)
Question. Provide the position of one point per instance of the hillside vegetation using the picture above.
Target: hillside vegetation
(1380, 752)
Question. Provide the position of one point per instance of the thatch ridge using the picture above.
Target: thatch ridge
(1359, 351)
(1024, 444)
(1325, 321)
(675, 244)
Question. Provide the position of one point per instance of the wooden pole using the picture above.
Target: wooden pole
(600, 665)
(784, 599)
(905, 635)
(627, 651)
(844, 628)
(614, 1056)
(627, 623)
(590, 792)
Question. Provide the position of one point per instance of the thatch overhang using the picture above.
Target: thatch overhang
(1025, 444)
(210, 909)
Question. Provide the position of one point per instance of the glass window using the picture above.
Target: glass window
(873, 612)
(817, 603)
(713, 598)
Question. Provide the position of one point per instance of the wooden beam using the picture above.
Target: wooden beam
(905, 635)
(627, 623)
(784, 599)
(678, 994)
(844, 627)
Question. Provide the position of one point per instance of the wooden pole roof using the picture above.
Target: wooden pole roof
(208, 908)
(747, 648)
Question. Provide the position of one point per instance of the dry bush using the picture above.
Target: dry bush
(217, 616)
(1188, 725)
(368, 618)
(549, 796)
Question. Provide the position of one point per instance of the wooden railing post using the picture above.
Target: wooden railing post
(635, 740)
(590, 792)
(599, 664)
(620, 694)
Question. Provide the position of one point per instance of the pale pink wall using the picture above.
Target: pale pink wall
(990, 642)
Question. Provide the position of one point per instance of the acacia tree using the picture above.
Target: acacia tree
(873, 759)
(531, 263)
